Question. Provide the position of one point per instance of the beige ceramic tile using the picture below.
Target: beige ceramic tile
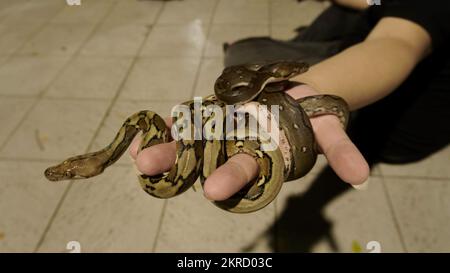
(176, 41)
(27, 201)
(3, 59)
(210, 69)
(134, 12)
(322, 162)
(192, 224)
(91, 77)
(119, 113)
(116, 39)
(56, 129)
(375, 170)
(161, 79)
(435, 166)
(330, 217)
(90, 11)
(13, 37)
(220, 34)
(242, 12)
(108, 213)
(363, 217)
(58, 39)
(293, 13)
(9, 7)
(187, 11)
(31, 11)
(12, 111)
(422, 208)
(28, 75)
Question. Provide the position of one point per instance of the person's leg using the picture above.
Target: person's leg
(334, 30)
(335, 23)
(408, 125)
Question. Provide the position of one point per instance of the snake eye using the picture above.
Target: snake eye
(68, 174)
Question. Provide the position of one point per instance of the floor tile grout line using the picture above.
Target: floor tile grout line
(206, 57)
(52, 216)
(200, 64)
(160, 223)
(55, 98)
(275, 231)
(269, 16)
(276, 227)
(77, 52)
(242, 24)
(19, 123)
(23, 159)
(115, 98)
(13, 54)
(32, 35)
(194, 86)
(59, 98)
(65, 55)
(431, 178)
(39, 96)
(45, 160)
(49, 161)
(107, 112)
(393, 213)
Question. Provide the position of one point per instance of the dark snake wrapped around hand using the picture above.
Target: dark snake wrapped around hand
(246, 85)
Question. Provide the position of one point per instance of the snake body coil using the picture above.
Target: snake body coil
(262, 84)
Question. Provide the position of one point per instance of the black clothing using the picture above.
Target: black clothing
(432, 15)
(414, 120)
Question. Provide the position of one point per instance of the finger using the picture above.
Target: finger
(134, 146)
(156, 159)
(342, 155)
(168, 121)
(231, 177)
(348, 162)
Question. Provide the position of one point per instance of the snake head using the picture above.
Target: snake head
(58, 172)
(287, 69)
(73, 168)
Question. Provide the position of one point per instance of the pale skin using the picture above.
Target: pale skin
(362, 74)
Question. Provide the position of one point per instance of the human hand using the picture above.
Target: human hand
(341, 153)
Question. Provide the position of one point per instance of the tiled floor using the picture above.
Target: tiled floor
(70, 75)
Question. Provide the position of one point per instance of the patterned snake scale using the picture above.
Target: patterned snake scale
(260, 84)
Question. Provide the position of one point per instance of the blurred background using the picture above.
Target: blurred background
(69, 77)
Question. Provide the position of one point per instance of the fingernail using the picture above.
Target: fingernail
(362, 187)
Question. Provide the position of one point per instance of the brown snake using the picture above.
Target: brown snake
(259, 84)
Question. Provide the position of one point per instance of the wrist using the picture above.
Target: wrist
(301, 91)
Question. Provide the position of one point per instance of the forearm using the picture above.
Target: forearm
(354, 4)
(370, 70)
(362, 74)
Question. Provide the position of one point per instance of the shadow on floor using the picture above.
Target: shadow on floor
(301, 225)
